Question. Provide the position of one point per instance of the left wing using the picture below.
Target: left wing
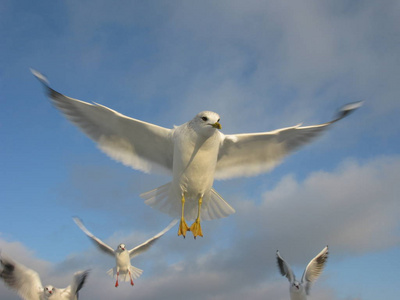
(255, 153)
(147, 244)
(314, 269)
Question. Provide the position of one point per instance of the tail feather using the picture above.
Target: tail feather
(124, 276)
(214, 206)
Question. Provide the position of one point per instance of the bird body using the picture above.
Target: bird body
(26, 282)
(194, 153)
(300, 290)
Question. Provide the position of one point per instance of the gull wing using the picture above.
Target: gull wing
(77, 283)
(314, 269)
(255, 153)
(147, 244)
(99, 243)
(140, 145)
(24, 281)
(284, 268)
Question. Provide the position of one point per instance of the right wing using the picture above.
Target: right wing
(77, 283)
(147, 244)
(140, 145)
(99, 243)
(284, 268)
(250, 154)
(24, 281)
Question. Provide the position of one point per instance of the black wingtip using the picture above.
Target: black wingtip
(347, 109)
(40, 77)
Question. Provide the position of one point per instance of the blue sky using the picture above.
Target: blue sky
(261, 65)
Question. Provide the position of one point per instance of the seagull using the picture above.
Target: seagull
(122, 255)
(194, 153)
(300, 290)
(26, 282)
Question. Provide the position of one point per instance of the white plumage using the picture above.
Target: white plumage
(193, 153)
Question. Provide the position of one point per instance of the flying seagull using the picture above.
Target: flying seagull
(194, 153)
(26, 282)
(122, 255)
(300, 290)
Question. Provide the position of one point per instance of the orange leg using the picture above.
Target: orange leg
(182, 225)
(196, 228)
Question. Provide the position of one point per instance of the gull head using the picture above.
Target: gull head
(49, 290)
(206, 123)
(296, 287)
(121, 248)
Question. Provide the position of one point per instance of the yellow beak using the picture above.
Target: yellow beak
(216, 125)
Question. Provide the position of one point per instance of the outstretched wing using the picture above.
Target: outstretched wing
(314, 269)
(99, 243)
(147, 244)
(255, 153)
(24, 281)
(140, 145)
(284, 268)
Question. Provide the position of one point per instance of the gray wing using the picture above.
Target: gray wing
(255, 153)
(140, 145)
(147, 244)
(99, 243)
(284, 268)
(314, 269)
(24, 281)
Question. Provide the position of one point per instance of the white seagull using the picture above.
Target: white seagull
(194, 153)
(122, 255)
(300, 290)
(26, 282)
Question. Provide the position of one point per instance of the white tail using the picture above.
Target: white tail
(124, 275)
(161, 198)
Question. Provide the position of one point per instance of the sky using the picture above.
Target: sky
(262, 65)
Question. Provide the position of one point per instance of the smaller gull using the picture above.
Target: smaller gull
(300, 290)
(122, 255)
(26, 282)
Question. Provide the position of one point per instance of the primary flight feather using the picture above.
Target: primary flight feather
(194, 153)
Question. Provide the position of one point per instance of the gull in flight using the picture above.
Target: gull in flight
(300, 290)
(122, 255)
(26, 282)
(193, 153)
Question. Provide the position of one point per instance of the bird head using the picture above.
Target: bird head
(121, 247)
(296, 286)
(206, 122)
(49, 291)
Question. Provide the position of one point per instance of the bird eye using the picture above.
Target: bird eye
(204, 119)
(218, 120)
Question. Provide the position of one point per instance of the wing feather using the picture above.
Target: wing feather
(147, 244)
(284, 268)
(255, 153)
(26, 282)
(140, 145)
(99, 243)
(314, 269)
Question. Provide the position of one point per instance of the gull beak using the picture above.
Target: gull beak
(216, 125)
